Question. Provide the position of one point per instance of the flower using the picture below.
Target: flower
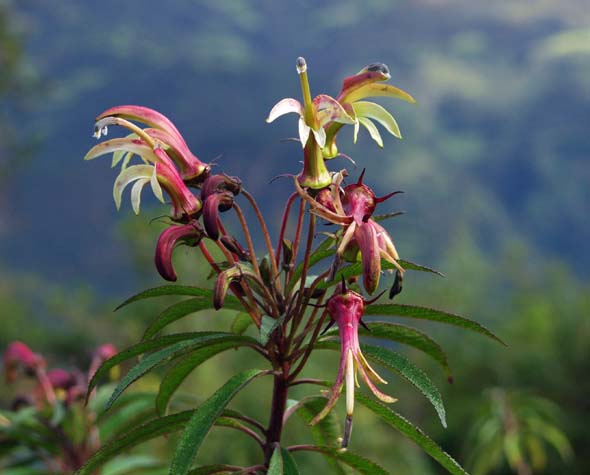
(314, 116)
(19, 356)
(359, 86)
(217, 195)
(162, 150)
(353, 208)
(346, 309)
(189, 234)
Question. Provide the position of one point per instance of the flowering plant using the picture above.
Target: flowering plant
(284, 301)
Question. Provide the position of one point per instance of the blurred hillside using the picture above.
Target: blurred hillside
(494, 163)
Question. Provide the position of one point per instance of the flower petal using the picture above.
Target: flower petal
(366, 237)
(129, 175)
(320, 137)
(330, 110)
(189, 234)
(373, 132)
(127, 144)
(285, 106)
(374, 111)
(304, 131)
(378, 90)
(361, 79)
(136, 193)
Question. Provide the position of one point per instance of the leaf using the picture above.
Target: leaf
(159, 357)
(241, 323)
(203, 419)
(326, 432)
(176, 312)
(135, 436)
(179, 372)
(412, 432)
(413, 266)
(370, 110)
(408, 336)
(275, 466)
(360, 464)
(231, 302)
(267, 326)
(129, 464)
(426, 313)
(217, 469)
(289, 465)
(402, 366)
(321, 252)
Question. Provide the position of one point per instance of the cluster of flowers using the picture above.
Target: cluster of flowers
(169, 165)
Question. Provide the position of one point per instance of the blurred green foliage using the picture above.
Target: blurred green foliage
(494, 163)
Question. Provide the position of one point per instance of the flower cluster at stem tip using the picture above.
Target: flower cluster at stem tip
(198, 197)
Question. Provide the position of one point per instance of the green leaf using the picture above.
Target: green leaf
(326, 432)
(241, 323)
(135, 436)
(408, 336)
(360, 464)
(129, 464)
(159, 357)
(180, 371)
(217, 469)
(402, 366)
(413, 433)
(267, 326)
(176, 312)
(412, 266)
(289, 465)
(323, 251)
(231, 302)
(275, 466)
(140, 348)
(425, 313)
(203, 419)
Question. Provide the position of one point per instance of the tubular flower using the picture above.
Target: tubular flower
(189, 234)
(163, 133)
(353, 210)
(359, 86)
(158, 168)
(217, 195)
(346, 309)
(314, 116)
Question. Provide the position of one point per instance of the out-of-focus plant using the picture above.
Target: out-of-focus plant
(517, 429)
(50, 429)
(283, 302)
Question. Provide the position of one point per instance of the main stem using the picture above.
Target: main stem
(279, 404)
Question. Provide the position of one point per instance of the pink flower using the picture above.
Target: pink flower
(352, 208)
(19, 356)
(189, 234)
(346, 309)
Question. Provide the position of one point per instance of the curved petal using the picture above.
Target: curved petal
(362, 78)
(285, 106)
(320, 137)
(189, 234)
(373, 132)
(129, 175)
(128, 144)
(377, 90)
(136, 193)
(156, 188)
(321, 210)
(304, 131)
(374, 111)
(330, 110)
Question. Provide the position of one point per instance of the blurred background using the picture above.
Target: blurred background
(494, 164)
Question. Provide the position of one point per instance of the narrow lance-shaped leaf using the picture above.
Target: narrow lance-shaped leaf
(426, 313)
(137, 435)
(402, 366)
(231, 302)
(180, 371)
(203, 419)
(413, 433)
(275, 466)
(360, 464)
(159, 357)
